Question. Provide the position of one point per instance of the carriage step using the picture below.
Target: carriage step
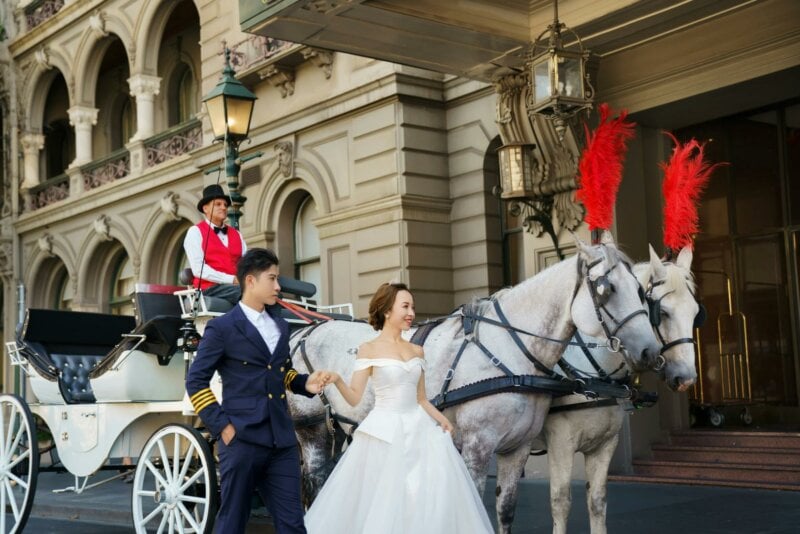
(722, 438)
(749, 474)
(704, 482)
(728, 455)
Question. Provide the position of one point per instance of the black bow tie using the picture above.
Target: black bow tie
(223, 229)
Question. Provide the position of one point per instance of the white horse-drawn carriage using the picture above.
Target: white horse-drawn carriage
(110, 397)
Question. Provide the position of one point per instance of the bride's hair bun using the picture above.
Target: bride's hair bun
(382, 301)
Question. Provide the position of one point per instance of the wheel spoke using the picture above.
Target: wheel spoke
(187, 462)
(18, 480)
(178, 521)
(2, 427)
(189, 518)
(18, 459)
(192, 498)
(21, 432)
(164, 459)
(156, 474)
(162, 524)
(12, 501)
(152, 514)
(11, 422)
(176, 457)
(146, 493)
(192, 480)
(171, 521)
(3, 510)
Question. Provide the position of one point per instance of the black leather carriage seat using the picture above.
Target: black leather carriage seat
(73, 344)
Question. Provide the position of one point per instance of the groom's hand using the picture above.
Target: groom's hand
(316, 382)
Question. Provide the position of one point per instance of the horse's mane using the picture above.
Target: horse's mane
(677, 277)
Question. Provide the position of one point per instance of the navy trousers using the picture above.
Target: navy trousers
(273, 472)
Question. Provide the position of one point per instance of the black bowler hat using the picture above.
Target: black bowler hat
(212, 192)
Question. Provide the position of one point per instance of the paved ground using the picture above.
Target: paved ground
(642, 508)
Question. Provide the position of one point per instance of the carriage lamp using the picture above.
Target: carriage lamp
(558, 84)
(516, 170)
(230, 109)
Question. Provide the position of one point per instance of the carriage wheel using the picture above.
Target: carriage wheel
(175, 485)
(716, 418)
(19, 463)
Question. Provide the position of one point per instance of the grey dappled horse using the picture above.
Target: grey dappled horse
(597, 281)
(595, 431)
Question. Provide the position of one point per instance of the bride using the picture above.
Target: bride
(401, 474)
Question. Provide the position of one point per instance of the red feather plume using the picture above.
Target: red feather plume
(685, 177)
(600, 167)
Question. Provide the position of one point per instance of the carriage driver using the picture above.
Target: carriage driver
(257, 447)
(213, 248)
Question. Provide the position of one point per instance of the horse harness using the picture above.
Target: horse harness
(552, 383)
(654, 306)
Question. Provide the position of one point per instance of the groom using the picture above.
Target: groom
(257, 447)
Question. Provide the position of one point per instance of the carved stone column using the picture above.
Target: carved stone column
(82, 118)
(144, 88)
(32, 143)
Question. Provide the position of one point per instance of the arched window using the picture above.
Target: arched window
(122, 285)
(59, 146)
(306, 245)
(127, 120)
(182, 95)
(64, 292)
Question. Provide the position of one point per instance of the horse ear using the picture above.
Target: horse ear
(607, 239)
(586, 251)
(655, 264)
(684, 260)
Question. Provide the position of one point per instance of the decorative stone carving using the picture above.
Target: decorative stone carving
(169, 205)
(82, 118)
(31, 143)
(285, 151)
(42, 58)
(6, 259)
(280, 77)
(45, 244)
(144, 88)
(321, 58)
(556, 161)
(102, 228)
(97, 23)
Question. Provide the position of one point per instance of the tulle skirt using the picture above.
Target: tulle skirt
(416, 483)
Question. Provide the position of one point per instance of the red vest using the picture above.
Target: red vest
(218, 256)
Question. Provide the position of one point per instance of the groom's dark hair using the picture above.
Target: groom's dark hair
(255, 261)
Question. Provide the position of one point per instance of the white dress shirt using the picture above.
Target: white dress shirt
(265, 325)
(193, 245)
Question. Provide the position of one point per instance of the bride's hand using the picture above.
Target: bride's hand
(446, 426)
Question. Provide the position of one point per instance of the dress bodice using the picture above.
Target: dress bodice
(394, 381)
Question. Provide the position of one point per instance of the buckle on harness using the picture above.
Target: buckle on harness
(496, 362)
(450, 374)
(614, 344)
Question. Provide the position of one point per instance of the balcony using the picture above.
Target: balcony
(168, 144)
(106, 170)
(51, 190)
(39, 11)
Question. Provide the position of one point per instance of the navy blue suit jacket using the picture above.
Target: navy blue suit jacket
(254, 381)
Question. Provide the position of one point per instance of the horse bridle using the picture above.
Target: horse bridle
(600, 290)
(654, 306)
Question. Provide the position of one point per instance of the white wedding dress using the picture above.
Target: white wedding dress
(401, 474)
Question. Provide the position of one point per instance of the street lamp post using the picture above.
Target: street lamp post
(230, 109)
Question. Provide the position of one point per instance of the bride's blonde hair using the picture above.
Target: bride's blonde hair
(382, 301)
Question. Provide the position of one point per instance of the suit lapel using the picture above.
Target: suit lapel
(283, 326)
(250, 332)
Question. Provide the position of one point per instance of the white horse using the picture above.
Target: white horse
(594, 431)
(573, 293)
